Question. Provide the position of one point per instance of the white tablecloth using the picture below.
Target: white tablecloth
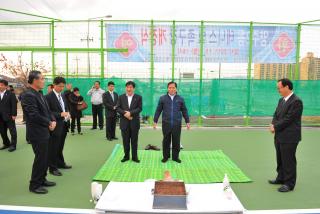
(136, 197)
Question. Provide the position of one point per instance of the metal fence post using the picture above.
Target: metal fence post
(173, 44)
(151, 69)
(201, 70)
(101, 50)
(297, 72)
(247, 117)
(52, 49)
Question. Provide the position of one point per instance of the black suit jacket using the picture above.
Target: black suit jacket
(109, 103)
(287, 120)
(66, 94)
(37, 114)
(8, 106)
(135, 109)
(56, 110)
(74, 100)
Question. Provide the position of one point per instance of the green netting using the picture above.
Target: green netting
(223, 69)
(224, 97)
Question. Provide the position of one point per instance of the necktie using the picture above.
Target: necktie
(44, 102)
(61, 102)
(282, 104)
(112, 96)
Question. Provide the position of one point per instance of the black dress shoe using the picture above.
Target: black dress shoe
(177, 160)
(115, 138)
(80, 133)
(109, 139)
(124, 160)
(39, 190)
(274, 182)
(136, 160)
(101, 128)
(48, 184)
(4, 147)
(148, 147)
(152, 147)
(66, 166)
(12, 148)
(93, 128)
(164, 160)
(284, 188)
(55, 173)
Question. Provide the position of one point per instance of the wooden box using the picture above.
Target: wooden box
(170, 195)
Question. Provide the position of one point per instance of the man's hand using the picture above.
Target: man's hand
(68, 116)
(64, 114)
(271, 128)
(14, 117)
(188, 126)
(154, 125)
(114, 107)
(127, 115)
(52, 125)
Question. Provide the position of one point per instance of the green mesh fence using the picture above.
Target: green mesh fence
(224, 71)
(225, 97)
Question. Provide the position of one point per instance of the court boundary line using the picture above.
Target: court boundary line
(91, 211)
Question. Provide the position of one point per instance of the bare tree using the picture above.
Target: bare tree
(20, 70)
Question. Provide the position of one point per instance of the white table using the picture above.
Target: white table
(136, 197)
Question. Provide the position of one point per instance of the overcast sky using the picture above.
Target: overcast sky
(226, 10)
(275, 11)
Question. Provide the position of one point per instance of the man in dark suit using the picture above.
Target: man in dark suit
(8, 114)
(39, 123)
(286, 127)
(67, 93)
(129, 107)
(110, 99)
(173, 108)
(49, 88)
(59, 108)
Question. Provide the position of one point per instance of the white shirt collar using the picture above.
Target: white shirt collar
(2, 94)
(172, 96)
(129, 96)
(56, 93)
(287, 97)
